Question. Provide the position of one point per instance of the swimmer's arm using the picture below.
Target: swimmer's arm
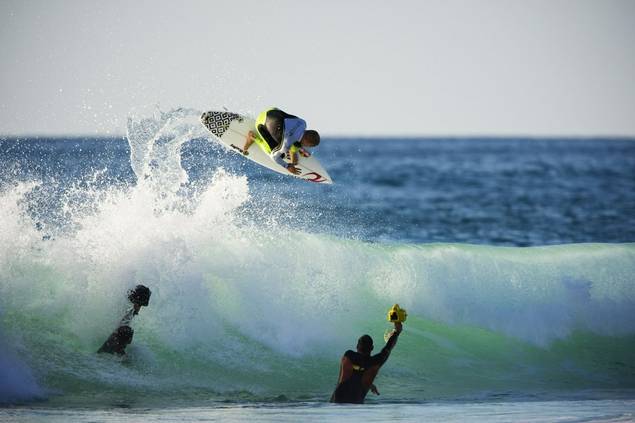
(393, 338)
(381, 358)
(249, 140)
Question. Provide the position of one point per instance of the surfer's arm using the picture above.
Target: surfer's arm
(249, 140)
(278, 157)
(380, 359)
(293, 131)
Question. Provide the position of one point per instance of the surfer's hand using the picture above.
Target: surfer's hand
(245, 152)
(374, 390)
(293, 169)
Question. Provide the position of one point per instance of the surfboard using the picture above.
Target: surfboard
(231, 129)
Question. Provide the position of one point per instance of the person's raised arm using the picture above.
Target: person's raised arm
(393, 338)
(378, 360)
(383, 355)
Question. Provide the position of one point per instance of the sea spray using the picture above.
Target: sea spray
(228, 314)
(155, 140)
(245, 302)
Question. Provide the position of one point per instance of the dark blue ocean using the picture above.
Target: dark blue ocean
(501, 191)
(514, 257)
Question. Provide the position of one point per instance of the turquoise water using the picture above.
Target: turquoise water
(521, 299)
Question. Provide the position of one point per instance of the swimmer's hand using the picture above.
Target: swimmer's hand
(304, 152)
(374, 390)
(293, 169)
(245, 152)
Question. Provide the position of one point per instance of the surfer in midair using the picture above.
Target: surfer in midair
(281, 136)
(122, 337)
(358, 369)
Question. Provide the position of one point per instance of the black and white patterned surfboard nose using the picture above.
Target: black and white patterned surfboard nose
(206, 119)
(218, 122)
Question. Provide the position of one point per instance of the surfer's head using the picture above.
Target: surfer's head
(365, 344)
(140, 295)
(310, 138)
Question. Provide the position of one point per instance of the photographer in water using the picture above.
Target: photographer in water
(359, 369)
(122, 337)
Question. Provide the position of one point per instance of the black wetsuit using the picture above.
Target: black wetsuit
(122, 337)
(351, 390)
(272, 131)
(117, 341)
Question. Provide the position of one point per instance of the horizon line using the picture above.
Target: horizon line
(348, 137)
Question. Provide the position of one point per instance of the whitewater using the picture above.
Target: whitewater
(249, 306)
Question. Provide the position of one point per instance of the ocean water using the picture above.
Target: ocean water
(514, 258)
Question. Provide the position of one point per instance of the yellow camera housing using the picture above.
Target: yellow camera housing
(397, 314)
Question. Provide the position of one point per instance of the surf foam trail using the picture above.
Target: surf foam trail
(247, 310)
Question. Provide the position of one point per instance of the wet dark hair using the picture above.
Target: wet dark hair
(124, 335)
(140, 295)
(365, 344)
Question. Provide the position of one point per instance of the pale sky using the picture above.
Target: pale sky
(371, 68)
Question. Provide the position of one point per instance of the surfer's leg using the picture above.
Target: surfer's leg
(249, 140)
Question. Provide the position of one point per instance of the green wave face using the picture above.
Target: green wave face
(243, 311)
(229, 321)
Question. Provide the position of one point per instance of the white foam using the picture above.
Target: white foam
(222, 284)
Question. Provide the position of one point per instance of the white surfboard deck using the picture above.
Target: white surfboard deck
(231, 129)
